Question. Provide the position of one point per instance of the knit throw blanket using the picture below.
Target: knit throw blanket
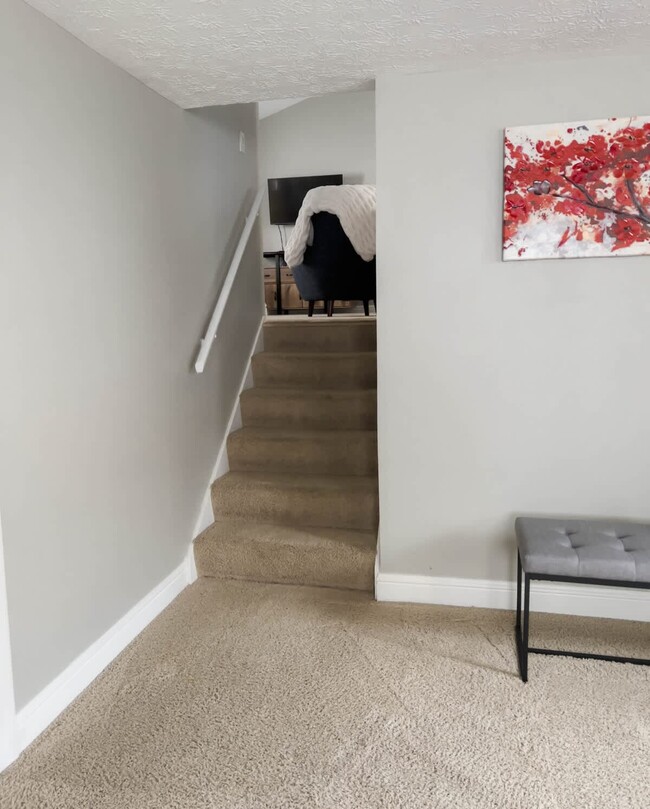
(355, 206)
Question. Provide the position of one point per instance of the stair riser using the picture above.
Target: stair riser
(336, 566)
(347, 371)
(317, 337)
(356, 412)
(326, 455)
(335, 508)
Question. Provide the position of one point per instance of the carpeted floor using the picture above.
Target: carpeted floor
(263, 696)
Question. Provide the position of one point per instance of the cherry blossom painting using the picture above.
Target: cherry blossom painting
(581, 189)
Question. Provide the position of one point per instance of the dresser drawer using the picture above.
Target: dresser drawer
(290, 297)
(286, 275)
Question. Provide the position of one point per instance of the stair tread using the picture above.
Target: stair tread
(314, 392)
(287, 554)
(270, 532)
(358, 483)
(310, 323)
(309, 336)
(309, 408)
(288, 433)
(310, 355)
(290, 449)
(333, 501)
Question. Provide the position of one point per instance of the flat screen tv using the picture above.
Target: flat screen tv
(287, 193)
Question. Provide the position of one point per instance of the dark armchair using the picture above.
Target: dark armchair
(332, 270)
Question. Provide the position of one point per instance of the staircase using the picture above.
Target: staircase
(299, 504)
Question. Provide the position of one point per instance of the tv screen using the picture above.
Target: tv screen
(287, 193)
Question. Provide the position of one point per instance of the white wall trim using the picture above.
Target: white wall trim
(378, 560)
(32, 720)
(206, 515)
(8, 750)
(556, 597)
(190, 565)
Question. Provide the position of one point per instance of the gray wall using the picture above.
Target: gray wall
(504, 388)
(332, 134)
(120, 215)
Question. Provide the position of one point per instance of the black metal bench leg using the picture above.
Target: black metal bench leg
(518, 621)
(521, 631)
(524, 640)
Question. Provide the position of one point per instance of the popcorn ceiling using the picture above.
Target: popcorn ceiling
(202, 52)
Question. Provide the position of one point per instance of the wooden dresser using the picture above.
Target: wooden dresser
(291, 300)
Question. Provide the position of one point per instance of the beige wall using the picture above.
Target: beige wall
(120, 213)
(504, 388)
(333, 134)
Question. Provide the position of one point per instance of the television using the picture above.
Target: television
(287, 193)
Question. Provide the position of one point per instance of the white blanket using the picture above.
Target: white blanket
(355, 206)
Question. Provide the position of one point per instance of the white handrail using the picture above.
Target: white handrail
(211, 332)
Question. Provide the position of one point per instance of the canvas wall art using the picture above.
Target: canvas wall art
(576, 190)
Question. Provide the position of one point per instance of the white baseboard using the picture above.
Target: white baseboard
(32, 720)
(190, 564)
(7, 709)
(556, 597)
(206, 515)
(8, 752)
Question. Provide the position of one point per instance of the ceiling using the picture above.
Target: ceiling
(202, 52)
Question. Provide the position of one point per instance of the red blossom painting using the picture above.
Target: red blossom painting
(579, 189)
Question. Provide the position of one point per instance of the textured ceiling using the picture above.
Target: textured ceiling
(201, 52)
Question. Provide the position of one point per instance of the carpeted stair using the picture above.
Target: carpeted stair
(300, 503)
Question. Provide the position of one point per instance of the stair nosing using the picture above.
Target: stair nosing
(371, 534)
(283, 476)
(310, 354)
(368, 533)
(310, 323)
(312, 391)
(307, 433)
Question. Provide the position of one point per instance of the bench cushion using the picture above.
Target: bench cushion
(591, 549)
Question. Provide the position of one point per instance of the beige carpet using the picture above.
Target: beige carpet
(262, 696)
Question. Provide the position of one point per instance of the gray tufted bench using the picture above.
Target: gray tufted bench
(581, 551)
